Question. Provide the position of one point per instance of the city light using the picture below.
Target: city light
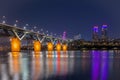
(95, 28)
(104, 26)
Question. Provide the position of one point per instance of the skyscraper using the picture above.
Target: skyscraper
(104, 33)
(64, 35)
(95, 34)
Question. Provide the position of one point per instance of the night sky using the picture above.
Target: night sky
(57, 16)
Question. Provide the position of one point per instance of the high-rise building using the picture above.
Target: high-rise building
(64, 35)
(95, 34)
(104, 36)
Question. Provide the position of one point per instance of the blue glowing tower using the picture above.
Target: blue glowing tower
(95, 34)
(104, 33)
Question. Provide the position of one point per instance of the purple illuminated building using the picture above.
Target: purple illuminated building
(64, 35)
(95, 34)
(104, 33)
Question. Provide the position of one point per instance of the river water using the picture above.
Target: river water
(69, 65)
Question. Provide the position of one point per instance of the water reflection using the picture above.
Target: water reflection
(100, 65)
(37, 67)
(14, 66)
(3, 70)
(104, 65)
(54, 64)
(90, 65)
(24, 68)
(95, 65)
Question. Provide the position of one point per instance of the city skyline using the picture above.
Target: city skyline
(57, 16)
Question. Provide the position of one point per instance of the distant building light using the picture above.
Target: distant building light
(95, 28)
(104, 26)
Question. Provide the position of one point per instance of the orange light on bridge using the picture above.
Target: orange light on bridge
(15, 45)
(58, 47)
(37, 46)
(64, 46)
(50, 46)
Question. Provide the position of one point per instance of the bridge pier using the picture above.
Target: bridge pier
(58, 46)
(15, 45)
(37, 46)
(64, 47)
(50, 46)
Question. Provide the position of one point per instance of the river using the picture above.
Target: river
(69, 65)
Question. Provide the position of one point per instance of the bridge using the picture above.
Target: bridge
(24, 34)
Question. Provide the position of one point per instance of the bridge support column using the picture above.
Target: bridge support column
(58, 47)
(15, 45)
(37, 46)
(64, 47)
(50, 46)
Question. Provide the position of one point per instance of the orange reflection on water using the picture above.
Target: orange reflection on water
(15, 54)
(37, 66)
(49, 54)
(58, 63)
(58, 54)
(15, 66)
(49, 64)
(37, 54)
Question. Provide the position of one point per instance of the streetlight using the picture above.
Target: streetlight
(41, 29)
(25, 27)
(51, 34)
(38, 31)
(55, 35)
(16, 23)
(34, 28)
(4, 21)
(46, 31)
(43, 33)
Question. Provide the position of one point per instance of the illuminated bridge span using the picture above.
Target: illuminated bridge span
(29, 35)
